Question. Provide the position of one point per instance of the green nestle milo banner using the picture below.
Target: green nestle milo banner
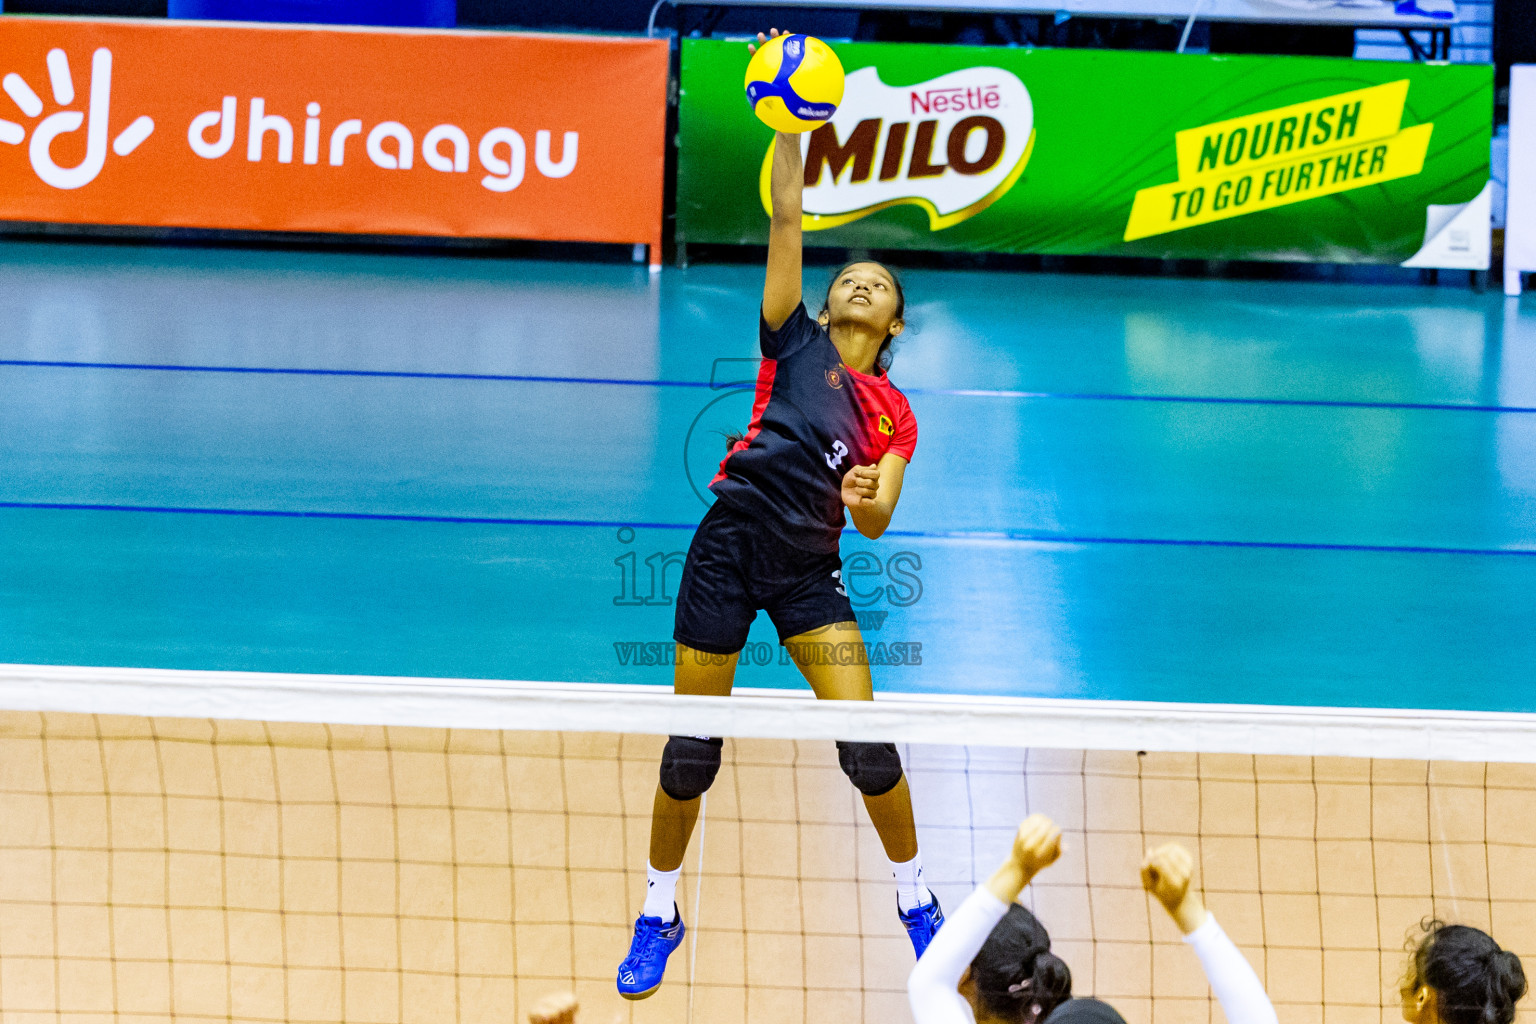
(1111, 152)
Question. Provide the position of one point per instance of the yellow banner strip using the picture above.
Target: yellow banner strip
(1212, 197)
(1284, 133)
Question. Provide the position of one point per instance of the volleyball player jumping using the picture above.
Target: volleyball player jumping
(992, 962)
(828, 432)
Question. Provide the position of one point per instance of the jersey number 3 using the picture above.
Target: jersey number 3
(840, 449)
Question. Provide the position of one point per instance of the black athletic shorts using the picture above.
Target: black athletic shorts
(736, 566)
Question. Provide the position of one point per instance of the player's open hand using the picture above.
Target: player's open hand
(860, 486)
(1037, 845)
(772, 32)
(1166, 873)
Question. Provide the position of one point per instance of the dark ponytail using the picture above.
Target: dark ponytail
(1475, 981)
(1017, 977)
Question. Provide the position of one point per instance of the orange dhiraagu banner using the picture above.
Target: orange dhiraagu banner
(473, 134)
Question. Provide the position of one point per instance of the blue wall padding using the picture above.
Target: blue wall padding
(424, 13)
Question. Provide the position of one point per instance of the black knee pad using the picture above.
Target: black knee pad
(689, 765)
(873, 768)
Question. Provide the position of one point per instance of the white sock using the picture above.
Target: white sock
(911, 890)
(661, 893)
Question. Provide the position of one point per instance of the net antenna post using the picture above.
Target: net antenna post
(698, 890)
(650, 23)
(1188, 25)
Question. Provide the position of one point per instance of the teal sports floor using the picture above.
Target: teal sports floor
(1124, 488)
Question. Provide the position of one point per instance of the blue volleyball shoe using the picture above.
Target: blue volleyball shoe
(640, 973)
(922, 924)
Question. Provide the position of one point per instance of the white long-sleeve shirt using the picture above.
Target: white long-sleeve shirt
(933, 987)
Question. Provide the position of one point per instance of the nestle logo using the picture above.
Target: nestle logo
(944, 101)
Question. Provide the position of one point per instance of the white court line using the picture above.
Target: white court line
(775, 714)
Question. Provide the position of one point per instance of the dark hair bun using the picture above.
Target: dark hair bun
(1051, 974)
(1051, 983)
(1017, 976)
(1509, 977)
(1475, 981)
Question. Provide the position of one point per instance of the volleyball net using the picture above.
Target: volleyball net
(266, 857)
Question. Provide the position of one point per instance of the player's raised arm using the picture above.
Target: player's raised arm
(1166, 873)
(781, 290)
(955, 983)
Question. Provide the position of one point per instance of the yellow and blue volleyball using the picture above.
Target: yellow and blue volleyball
(794, 83)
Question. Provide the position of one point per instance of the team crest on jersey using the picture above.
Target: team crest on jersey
(834, 379)
(886, 426)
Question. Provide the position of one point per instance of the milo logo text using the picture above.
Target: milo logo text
(952, 146)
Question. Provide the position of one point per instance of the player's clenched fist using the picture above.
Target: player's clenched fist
(1037, 844)
(1166, 873)
(860, 485)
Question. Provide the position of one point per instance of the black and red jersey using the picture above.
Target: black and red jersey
(813, 419)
